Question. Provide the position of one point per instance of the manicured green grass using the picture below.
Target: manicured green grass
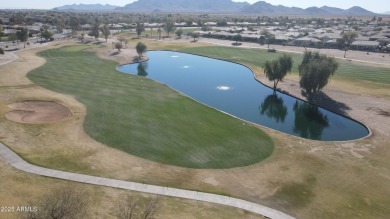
(4, 39)
(364, 72)
(253, 57)
(189, 30)
(147, 119)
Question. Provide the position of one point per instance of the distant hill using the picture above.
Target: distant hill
(184, 6)
(387, 12)
(358, 11)
(332, 10)
(262, 7)
(86, 7)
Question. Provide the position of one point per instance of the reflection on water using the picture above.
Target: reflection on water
(309, 122)
(142, 67)
(231, 88)
(273, 106)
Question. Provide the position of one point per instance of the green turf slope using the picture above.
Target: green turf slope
(147, 119)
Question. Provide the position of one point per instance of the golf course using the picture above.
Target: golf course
(131, 128)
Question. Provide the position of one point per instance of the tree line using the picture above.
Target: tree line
(315, 71)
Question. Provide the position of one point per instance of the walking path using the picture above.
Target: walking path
(257, 46)
(10, 57)
(14, 160)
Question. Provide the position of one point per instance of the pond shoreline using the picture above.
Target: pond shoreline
(259, 81)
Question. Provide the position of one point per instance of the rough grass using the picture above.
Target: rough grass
(147, 119)
(257, 58)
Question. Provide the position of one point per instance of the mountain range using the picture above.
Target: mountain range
(262, 7)
(184, 6)
(87, 7)
(218, 6)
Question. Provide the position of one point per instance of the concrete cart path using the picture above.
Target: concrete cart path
(254, 46)
(14, 160)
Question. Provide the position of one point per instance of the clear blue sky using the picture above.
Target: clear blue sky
(372, 5)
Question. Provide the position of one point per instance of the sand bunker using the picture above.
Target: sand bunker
(37, 112)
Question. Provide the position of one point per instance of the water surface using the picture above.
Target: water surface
(231, 88)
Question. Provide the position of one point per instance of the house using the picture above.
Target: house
(34, 29)
(294, 34)
(222, 35)
(9, 31)
(331, 43)
(86, 27)
(250, 37)
(281, 39)
(210, 24)
(307, 41)
(181, 24)
(365, 45)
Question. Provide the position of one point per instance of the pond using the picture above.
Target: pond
(231, 88)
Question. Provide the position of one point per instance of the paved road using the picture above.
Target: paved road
(14, 160)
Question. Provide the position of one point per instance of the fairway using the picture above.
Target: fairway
(255, 57)
(147, 119)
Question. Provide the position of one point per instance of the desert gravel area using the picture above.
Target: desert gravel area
(125, 56)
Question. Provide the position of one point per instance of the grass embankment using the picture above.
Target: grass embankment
(147, 119)
(258, 58)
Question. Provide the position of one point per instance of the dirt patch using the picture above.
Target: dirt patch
(124, 56)
(37, 112)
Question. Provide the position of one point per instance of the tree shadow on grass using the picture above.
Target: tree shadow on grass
(323, 100)
(115, 53)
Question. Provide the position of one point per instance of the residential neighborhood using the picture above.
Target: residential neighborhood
(373, 34)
